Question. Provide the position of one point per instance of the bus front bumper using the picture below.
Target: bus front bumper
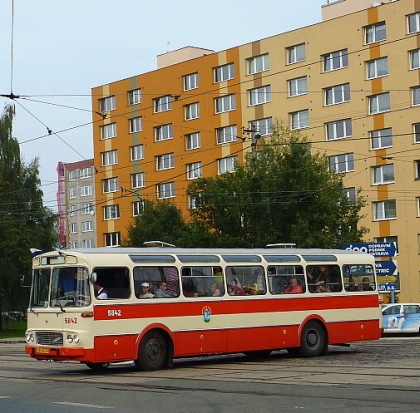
(54, 353)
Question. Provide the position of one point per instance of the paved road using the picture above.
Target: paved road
(370, 377)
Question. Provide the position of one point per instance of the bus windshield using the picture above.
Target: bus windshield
(65, 287)
(70, 287)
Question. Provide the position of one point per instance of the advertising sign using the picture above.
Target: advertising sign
(377, 249)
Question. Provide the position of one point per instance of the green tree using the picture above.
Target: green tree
(24, 221)
(283, 193)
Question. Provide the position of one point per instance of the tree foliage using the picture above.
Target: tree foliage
(24, 221)
(283, 193)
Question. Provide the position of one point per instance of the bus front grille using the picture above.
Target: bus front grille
(47, 338)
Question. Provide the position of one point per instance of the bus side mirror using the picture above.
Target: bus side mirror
(93, 278)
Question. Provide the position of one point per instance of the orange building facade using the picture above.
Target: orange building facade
(350, 83)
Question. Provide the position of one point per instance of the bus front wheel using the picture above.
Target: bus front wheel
(313, 340)
(152, 351)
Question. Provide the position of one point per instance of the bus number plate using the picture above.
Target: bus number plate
(43, 350)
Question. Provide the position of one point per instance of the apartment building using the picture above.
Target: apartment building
(351, 83)
(77, 209)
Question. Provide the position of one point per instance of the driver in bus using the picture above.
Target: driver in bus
(100, 293)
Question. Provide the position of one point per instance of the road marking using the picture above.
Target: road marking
(5, 397)
(93, 406)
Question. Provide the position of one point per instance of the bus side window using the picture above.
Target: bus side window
(359, 278)
(247, 279)
(115, 280)
(279, 278)
(202, 281)
(324, 278)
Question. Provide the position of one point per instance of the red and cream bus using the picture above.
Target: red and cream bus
(200, 302)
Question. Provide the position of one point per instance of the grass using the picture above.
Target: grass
(13, 329)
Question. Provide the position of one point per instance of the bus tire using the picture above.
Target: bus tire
(312, 340)
(152, 351)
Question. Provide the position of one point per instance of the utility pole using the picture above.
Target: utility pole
(255, 135)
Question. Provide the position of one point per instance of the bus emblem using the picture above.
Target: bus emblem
(206, 314)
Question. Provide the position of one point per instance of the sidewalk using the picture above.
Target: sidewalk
(12, 340)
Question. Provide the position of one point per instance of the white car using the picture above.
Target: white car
(401, 318)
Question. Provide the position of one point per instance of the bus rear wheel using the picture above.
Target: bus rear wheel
(152, 352)
(313, 340)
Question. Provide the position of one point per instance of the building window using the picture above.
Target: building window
(416, 95)
(138, 208)
(262, 126)
(298, 86)
(259, 95)
(377, 68)
(107, 104)
(87, 226)
(415, 59)
(137, 180)
(224, 72)
(112, 239)
(165, 161)
(73, 210)
(192, 202)
(192, 111)
(225, 103)
(193, 140)
(383, 174)
(163, 132)
(350, 193)
(337, 94)
(226, 134)
(381, 138)
(163, 103)
(109, 131)
(416, 129)
(414, 23)
(109, 158)
(227, 164)
(111, 212)
(299, 120)
(134, 97)
(385, 210)
(86, 190)
(87, 243)
(73, 228)
(296, 53)
(258, 64)
(335, 60)
(86, 172)
(72, 175)
(375, 33)
(379, 103)
(194, 170)
(166, 190)
(109, 185)
(73, 245)
(342, 163)
(417, 169)
(136, 152)
(87, 208)
(136, 124)
(191, 81)
(339, 129)
(72, 192)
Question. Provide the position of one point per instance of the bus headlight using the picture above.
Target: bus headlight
(73, 338)
(29, 337)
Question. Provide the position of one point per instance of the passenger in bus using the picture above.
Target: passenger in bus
(60, 292)
(294, 287)
(364, 285)
(145, 291)
(217, 292)
(322, 288)
(162, 291)
(189, 289)
(352, 285)
(236, 288)
(100, 292)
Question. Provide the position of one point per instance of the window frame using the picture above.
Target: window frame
(378, 104)
(340, 56)
(416, 22)
(378, 139)
(137, 180)
(134, 96)
(135, 124)
(86, 190)
(259, 95)
(194, 170)
(137, 208)
(226, 134)
(87, 226)
(110, 185)
(337, 94)
(220, 72)
(374, 64)
(165, 161)
(136, 152)
(107, 104)
(293, 52)
(299, 115)
(333, 129)
(162, 104)
(192, 111)
(374, 30)
(108, 131)
(347, 161)
(163, 132)
(111, 212)
(416, 132)
(109, 157)
(262, 126)
(254, 62)
(294, 86)
(379, 174)
(191, 139)
(226, 165)
(112, 239)
(190, 81)
(415, 95)
(225, 103)
(385, 208)
(166, 190)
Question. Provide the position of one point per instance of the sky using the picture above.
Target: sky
(54, 51)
